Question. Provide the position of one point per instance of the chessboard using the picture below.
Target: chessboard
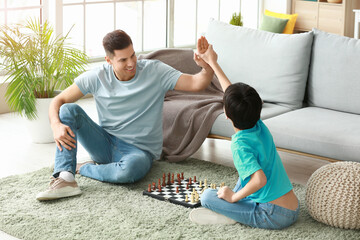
(185, 192)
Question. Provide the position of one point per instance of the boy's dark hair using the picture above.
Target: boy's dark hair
(116, 40)
(242, 105)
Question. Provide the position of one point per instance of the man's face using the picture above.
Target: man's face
(124, 63)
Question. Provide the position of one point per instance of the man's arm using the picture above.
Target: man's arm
(63, 135)
(195, 83)
(199, 81)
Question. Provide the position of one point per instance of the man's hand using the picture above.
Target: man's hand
(63, 136)
(226, 193)
(202, 45)
(201, 63)
(206, 52)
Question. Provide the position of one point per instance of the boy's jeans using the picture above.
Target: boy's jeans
(248, 212)
(118, 162)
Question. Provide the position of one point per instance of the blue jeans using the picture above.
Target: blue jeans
(248, 212)
(117, 161)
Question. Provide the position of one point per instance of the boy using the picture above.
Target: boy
(263, 196)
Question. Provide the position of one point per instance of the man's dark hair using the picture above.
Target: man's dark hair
(116, 40)
(242, 105)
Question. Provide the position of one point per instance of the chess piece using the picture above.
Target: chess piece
(187, 186)
(168, 182)
(186, 198)
(159, 187)
(192, 198)
(172, 178)
(177, 189)
(200, 184)
(164, 179)
(194, 178)
(190, 181)
(154, 186)
(149, 188)
(182, 176)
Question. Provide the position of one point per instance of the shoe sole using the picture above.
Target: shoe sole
(204, 216)
(52, 196)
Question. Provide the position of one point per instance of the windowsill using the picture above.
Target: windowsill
(93, 63)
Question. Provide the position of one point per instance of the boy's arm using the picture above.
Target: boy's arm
(257, 181)
(224, 81)
(207, 53)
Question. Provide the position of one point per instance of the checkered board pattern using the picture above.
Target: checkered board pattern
(168, 193)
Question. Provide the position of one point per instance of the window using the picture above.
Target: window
(17, 11)
(152, 24)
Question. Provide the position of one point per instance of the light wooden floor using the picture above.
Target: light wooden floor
(18, 155)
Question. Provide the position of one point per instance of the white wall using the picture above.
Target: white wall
(279, 6)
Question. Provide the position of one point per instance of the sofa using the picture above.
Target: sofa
(309, 82)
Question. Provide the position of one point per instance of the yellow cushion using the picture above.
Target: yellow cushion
(289, 28)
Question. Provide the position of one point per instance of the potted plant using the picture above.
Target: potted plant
(236, 19)
(36, 64)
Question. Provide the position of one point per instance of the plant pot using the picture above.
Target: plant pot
(39, 129)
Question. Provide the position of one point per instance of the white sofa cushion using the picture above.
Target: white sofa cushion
(276, 65)
(334, 78)
(223, 127)
(318, 131)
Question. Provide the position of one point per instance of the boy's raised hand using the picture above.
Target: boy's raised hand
(205, 51)
(202, 46)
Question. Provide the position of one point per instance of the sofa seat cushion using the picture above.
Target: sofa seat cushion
(223, 127)
(276, 65)
(318, 131)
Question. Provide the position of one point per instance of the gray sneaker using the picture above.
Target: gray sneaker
(59, 188)
(204, 216)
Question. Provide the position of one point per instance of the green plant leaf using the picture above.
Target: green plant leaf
(37, 63)
(236, 19)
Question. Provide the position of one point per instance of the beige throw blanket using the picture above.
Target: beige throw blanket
(187, 117)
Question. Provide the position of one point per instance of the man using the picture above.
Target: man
(129, 96)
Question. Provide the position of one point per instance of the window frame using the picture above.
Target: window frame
(53, 12)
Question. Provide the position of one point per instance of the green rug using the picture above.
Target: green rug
(110, 211)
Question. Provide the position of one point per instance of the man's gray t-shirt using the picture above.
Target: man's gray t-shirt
(132, 110)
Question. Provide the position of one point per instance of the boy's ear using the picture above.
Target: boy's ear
(226, 117)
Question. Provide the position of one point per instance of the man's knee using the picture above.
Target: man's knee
(69, 110)
(134, 170)
(125, 175)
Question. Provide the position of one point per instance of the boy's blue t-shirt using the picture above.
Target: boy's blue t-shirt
(254, 149)
(132, 110)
